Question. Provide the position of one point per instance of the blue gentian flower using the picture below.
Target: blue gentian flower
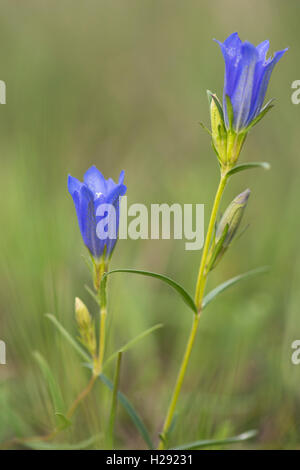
(88, 197)
(247, 74)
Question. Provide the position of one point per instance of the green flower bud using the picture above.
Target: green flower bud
(232, 217)
(86, 326)
(218, 129)
(83, 316)
(227, 228)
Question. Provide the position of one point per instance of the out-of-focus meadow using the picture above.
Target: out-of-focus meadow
(122, 85)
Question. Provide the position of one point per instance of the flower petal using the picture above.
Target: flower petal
(241, 97)
(87, 222)
(262, 79)
(73, 185)
(262, 50)
(121, 177)
(95, 181)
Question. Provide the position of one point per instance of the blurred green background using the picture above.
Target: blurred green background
(122, 84)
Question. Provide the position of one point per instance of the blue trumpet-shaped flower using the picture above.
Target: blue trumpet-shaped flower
(247, 74)
(93, 199)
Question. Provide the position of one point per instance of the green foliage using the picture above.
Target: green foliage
(177, 287)
(132, 413)
(248, 166)
(40, 445)
(133, 342)
(217, 442)
(231, 282)
(58, 403)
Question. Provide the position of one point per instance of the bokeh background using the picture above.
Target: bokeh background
(122, 84)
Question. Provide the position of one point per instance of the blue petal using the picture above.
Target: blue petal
(73, 185)
(118, 191)
(241, 97)
(262, 50)
(87, 221)
(95, 181)
(262, 78)
(232, 43)
(231, 50)
(110, 185)
(121, 177)
(113, 198)
(112, 241)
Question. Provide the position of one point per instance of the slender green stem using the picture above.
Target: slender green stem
(201, 280)
(200, 286)
(179, 381)
(100, 286)
(80, 397)
(103, 314)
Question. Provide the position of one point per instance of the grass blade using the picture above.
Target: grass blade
(212, 442)
(58, 404)
(40, 445)
(137, 421)
(114, 401)
(133, 342)
(68, 337)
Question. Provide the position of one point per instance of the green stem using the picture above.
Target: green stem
(100, 286)
(200, 286)
(103, 314)
(81, 396)
(201, 280)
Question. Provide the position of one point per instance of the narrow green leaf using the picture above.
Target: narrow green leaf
(68, 337)
(177, 287)
(213, 96)
(114, 401)
(40, 445)
(11, 422)
(133, 342)
(234, 280)
(132, 413)
(249, 166)
(212, 442)
(263, 112)
(51, 382)
(205, 128)
(54, 389)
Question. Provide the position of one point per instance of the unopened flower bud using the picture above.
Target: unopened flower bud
(232, 217)
(86, 326)
(82, 314)
(227, 228)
